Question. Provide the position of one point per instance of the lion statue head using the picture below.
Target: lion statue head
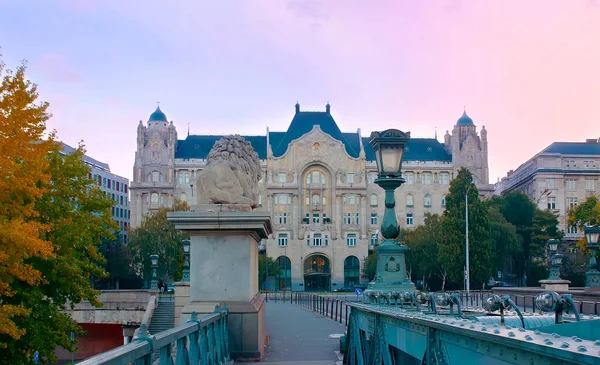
(231, 174)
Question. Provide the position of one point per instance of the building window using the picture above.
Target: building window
(409, 177)
(444, 179)
(350, 178)
(551, 203)
(572, 230)
(307, 199)
(590, 184)
(372, 177)
(184, 177)
(409, 200)
(409, 219)
(571, 184)
(373, 200)
(282, 177)
(351, 239)
(571, 202)
(550, 184)
(183, 197)
(443, 200)
(374, 239)
(427, 178)
(347, 218)
(154, 198)
(317, 239)
(282, 240)
(284, 279)
(282, 218)
(315, 218)
(427, 200)
(155, 176)
(356, 215)
(373, 218)
(324, 200)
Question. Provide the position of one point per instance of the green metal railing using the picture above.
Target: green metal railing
(198, 341)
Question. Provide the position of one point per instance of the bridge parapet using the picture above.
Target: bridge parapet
(389, 334)
(126, 307)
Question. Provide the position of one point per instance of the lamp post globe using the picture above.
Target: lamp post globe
(555, 259)
(388, 147)
(185, 277)
(154, 282)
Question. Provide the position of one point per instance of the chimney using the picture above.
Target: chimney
(328, 108)
(297, 108)
(591, 140)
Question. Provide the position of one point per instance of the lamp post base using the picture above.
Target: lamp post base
(592, 280)
(555, 284)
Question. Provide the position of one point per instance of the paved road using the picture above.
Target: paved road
(300, 335)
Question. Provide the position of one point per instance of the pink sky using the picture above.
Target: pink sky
(527, 70)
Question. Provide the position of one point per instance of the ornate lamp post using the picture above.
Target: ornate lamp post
(556, 259)
(592, 277)
(186, 265)
(154, 282)
(391, 267)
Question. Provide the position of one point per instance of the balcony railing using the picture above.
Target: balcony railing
(198, 341)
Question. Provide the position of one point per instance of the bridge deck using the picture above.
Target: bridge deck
(300, 337)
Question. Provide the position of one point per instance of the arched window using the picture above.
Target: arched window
(308, 179)
(183, 197)
(155, 176)
(427, 200)
(316, 200)
(409, 200)
(284, 279)
(154, 198)
(373, 200)
(351, 271)
(443, 200)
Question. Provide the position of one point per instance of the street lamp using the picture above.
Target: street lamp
(186, 265)
(154, 282)
(556, 259)
(467, 276)
(592, 277)
(389, 147)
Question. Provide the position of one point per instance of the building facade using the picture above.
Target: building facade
(558, 178)
(318, 185)
(114, 186)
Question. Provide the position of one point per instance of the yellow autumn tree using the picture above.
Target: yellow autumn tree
(23, 162)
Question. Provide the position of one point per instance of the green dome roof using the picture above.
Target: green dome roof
(158, 116)
(465, 120)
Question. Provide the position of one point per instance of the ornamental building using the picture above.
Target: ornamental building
(318, 186)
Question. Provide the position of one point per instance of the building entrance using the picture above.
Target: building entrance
(317, 273)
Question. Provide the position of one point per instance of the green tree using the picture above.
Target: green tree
(79, 218)
(116, 265)
(156, 235)
(545, 227)
(424, 246)
(586, 213)
(452, 250)
(274, 269)
(505, 241)
(369, 265)
(519, 210)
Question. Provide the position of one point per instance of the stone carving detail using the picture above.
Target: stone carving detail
(231, 174)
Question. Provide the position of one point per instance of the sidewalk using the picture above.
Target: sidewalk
(301, 336)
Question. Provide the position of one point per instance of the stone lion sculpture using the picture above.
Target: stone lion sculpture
(231, 174)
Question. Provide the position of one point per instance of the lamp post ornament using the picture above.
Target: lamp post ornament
(592, 277)
(390, 277)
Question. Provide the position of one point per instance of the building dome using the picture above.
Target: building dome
(465, 120)
(158, 116)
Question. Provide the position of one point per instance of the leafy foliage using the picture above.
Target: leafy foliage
(156, 235)
(23, 179)
(505, 241)
(369, 265)
(586, 213)
(274, 269)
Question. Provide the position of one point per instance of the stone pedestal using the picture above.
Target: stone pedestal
(555, 285)
(391, 270)
(592, 281)
(224, 270)
(182, 298)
